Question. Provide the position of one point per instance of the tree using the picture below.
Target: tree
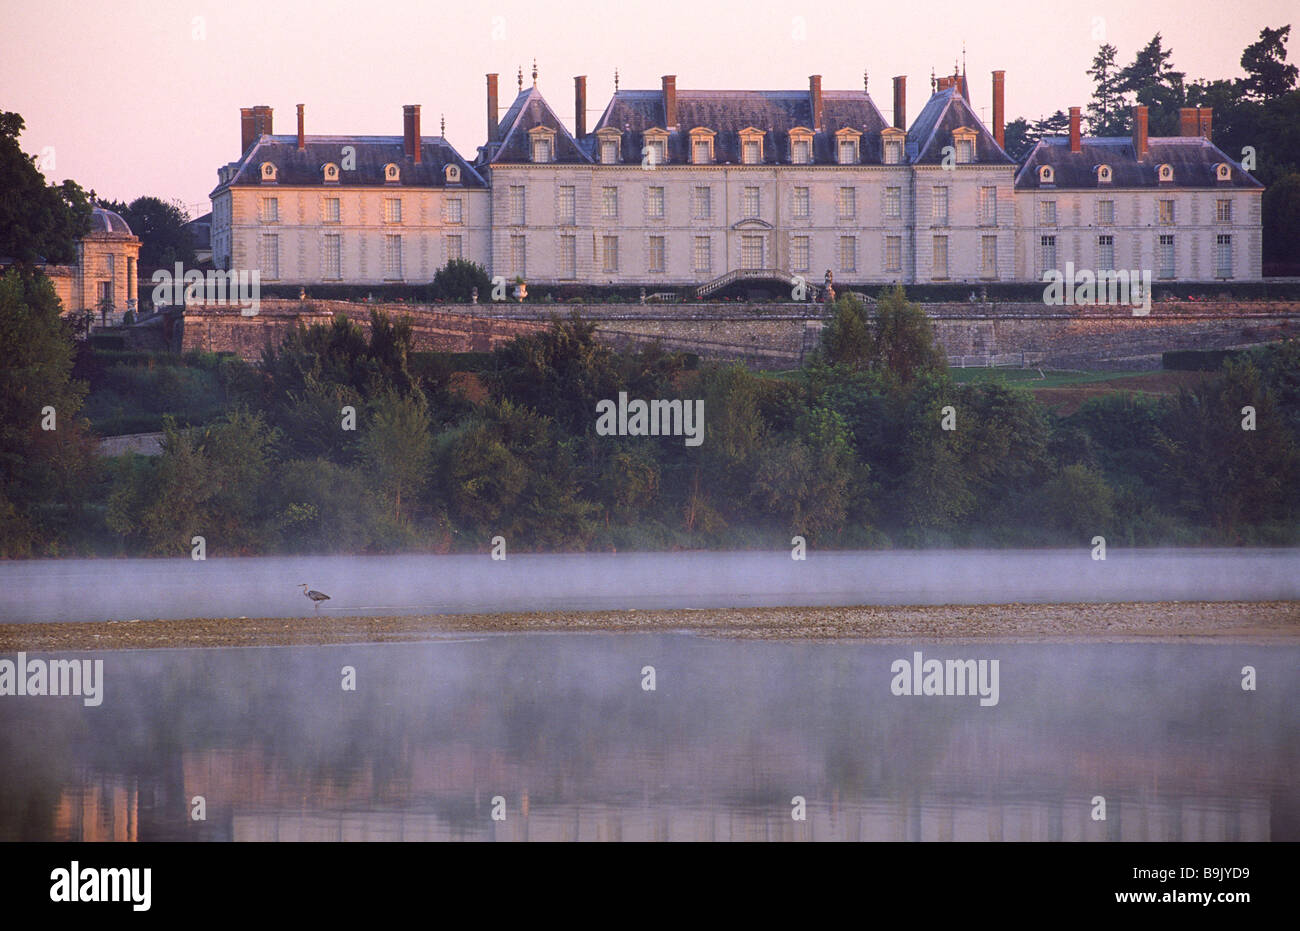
(1106, 114)
(457, 280)
(160, 225)
(39, 222)
(846, 339)
(396, 447)
(1019, 139)
(1267, 73)
(902, 338)
(1154, 83)
(1281, 221)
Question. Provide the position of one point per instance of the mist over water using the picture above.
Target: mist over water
(559, 727)
(124, 589)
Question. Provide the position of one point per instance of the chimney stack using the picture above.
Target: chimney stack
(580, 106)
(900, 102)
(1205, 121)
(1140, 131)
(302, 133)
(815, 99)
(1189, 122)
(1076, 144)
(999, 108)
(246, 136)
(411, 131)
(262, 121)
(493, 121)
(670, 101)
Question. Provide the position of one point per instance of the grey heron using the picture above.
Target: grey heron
(315, 596)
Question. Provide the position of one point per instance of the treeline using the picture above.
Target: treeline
(343, 441)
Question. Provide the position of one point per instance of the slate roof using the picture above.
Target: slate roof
(200, 230)
(372, 153)
(945, 111)
(529, 111)
(726, 112)
(1193, 159)
(106, 221)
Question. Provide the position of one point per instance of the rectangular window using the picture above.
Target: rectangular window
(965, 151)
(569, 257)
(751, 252)
(609, 254)
(1047, 252)
(802, 203)
(656, 152)
(608, 152)
(893, 203)
(393, 258)
(848, 152)
(800, 254)
(519, 256)
(455, 210)
(939, 206)
(701, 152)
(1223, 211)
(1106, 213)
(541, 149)
(455, 248)
(749, 202)
(1166, 256)
(701, 203)
(751, 152)
(1223, 256)
(517, 213)
(893, 253)
(988, 206)
(392, 210)
(1165, 212)
(1105, 253)
(333, 258)
(848, 253)
(703, 259)
(1047, 213)
(940, 263)
(567, 212)
(330, 212)
(270, 210)
(656, 263)
(654, 205)
(270, 259)
(609, 203)
(989, 256)
(893, 152)
(801, 152)
(848, 203)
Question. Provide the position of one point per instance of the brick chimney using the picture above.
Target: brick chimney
(246, 135)
(1205, 121)
(262, 121)
(1189, 122)
(1076, 144)
(1140, 131)
(999, 107)
(580, 106)
(302, 133)
(670, 101)
(493, 121)
(900, 102)
(815, 99)
(411, 131)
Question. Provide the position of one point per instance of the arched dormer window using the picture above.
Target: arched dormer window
(541, 144)
(1222, 171)
(331, 173)
(609, 145)
(656, 146)
(801, 146)
(452, 174)
(702, 146)
(751, 146)
(1046, 175)
(1103, 174)
(392, 174)
(1165, 173)
(848, 146)
(894, 141)
(268, 172)
(963, 143)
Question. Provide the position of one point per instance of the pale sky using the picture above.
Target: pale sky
(142, 97)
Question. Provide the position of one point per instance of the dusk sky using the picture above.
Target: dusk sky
(140, 97)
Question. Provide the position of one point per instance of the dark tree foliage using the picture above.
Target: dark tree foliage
(457, 280)
(39, 222)
(160, 225)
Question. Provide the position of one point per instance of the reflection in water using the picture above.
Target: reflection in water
(560, 729)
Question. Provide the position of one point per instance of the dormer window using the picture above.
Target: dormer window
(656, 147)
(751, 146)
(331, 173)
(1103, 174)
(1165, 173)
(268, 172)
(542, 140)
(391, 174)
(801, 140)
(893, 139)
(452, 173)
(702, 146)
(1046, 175)
(1222, 172)
(963, 141)
(847, 146)
(610, 144)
